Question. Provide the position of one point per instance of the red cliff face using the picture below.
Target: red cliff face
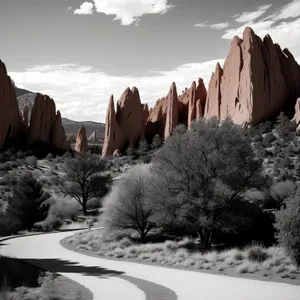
(256, 82)
(10, 119)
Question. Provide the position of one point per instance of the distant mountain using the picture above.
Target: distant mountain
(72, 128)
(21, 92)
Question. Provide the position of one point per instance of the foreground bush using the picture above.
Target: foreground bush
(288, 226)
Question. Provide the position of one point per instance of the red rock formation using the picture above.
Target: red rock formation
(213, 100)
(192, 104)
(42, 119)
(10, 120)
(201, 92)
(81, 141)
(145, 114)
(297, 112)
(45, 125)
(256, 83)
(59, 136)
(199, 110)
(114, 135)
(172, 111)
(25, 114)
(130, 114)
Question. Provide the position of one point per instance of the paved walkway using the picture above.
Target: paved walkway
(116, 280)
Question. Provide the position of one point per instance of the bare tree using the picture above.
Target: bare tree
(201, 175)
(128, 206)
(83, 179)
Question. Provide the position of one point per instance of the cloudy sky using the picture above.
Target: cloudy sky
(82, 52)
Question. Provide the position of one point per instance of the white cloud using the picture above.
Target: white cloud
(86, 8)
(217, 26)
(283, 25)
(291, 10)
(246, 17)
(258, 27)
(70, 8)
(82, 93)
(129, 11)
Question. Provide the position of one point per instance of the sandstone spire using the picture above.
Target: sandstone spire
(10, 120)
(192, 104)
(114, 136)
(25, 114)
(130, 114)
(81, 141)
(257, 81)
(172, 111)
(42, 119)
(59, 136)
(199, 110)
(213, 103)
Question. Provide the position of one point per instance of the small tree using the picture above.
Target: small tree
(28, 203)
(288, 226)
(128, 206)
(83, 179)
(201, 175)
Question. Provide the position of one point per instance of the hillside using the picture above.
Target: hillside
(72, 127)
(21, 92)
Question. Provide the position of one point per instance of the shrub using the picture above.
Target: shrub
(31, 161)
(257, 254)
(288, 226)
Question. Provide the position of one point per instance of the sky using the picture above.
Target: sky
(80, 52)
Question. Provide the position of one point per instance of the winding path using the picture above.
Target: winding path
(115, 280)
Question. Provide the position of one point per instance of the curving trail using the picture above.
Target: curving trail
(115, 280)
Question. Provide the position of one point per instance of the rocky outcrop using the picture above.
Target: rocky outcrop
(297, 112)
(25, 116)
(43, 117)
(130, 114)
(199, 110)
(213, 101)
(59, 137)
(192, 104)
(172, 111)
(81, 141)
(10, 119)
(45, 124)
(256, 82)
(114, 135)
